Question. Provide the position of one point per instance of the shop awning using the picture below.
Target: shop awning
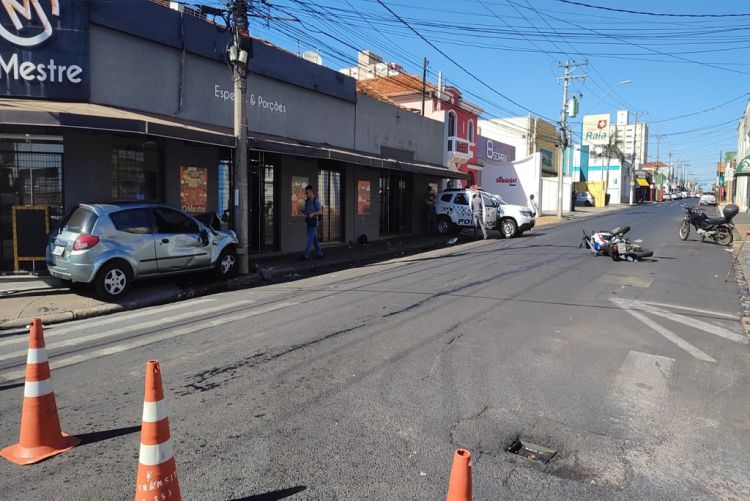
(275, 144)
(98, 117)
(743, 168)
(641, 182)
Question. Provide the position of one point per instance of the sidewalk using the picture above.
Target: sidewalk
(23, 296)
(581, 213)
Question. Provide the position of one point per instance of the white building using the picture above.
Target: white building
(371, 65)
(599, 134)
(742, 172)
(529, 135)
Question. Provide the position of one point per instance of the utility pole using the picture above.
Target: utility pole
(424, 82)
(566, 79)
(238, 58)
(635, 157)
(658, 146)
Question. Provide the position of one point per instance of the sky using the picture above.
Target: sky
(689, 61)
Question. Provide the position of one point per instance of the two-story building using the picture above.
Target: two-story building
(134, 101)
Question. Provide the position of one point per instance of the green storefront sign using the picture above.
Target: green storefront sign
(743, 168)
(659, 178)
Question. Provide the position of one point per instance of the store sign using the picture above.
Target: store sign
(253, 100)
(547, 158)
(510, 181)
(495, 151)
(596, 129)
(44, 49)
(194, 189)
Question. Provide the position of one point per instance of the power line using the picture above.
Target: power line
(644, 13)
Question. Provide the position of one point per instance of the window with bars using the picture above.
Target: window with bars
(330, 228)
(136, 172)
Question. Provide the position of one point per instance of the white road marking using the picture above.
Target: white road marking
(695, 352)
(728, 316)
(65, 361)
(68, 327)
(128, 328)
(692, 322)
(641, 389)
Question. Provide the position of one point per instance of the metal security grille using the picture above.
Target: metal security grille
(395, 202)
(30, 174)
(329, 193)
(136, 174)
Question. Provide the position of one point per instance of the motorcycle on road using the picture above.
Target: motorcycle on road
(615, 244)
(719, 229)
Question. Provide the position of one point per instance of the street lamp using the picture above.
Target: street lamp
(609, 91)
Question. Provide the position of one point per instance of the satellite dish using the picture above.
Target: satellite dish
(313, 57)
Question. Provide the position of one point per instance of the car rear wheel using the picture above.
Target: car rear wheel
(226, 266)
(508, 228)
(113, 280)
(444, 225)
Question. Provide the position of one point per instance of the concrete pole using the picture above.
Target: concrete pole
(241, 198)
(564, 140)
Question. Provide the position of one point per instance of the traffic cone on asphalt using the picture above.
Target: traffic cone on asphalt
(40, 435)
(157, 472)
(459, 485)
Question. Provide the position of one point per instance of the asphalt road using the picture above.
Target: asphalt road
(361, 383)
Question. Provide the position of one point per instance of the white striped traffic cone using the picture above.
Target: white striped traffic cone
(41, 436)
(157, 472)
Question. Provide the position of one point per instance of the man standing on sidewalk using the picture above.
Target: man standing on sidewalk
(573, 202)
(429, 207)
(476, 212)
(532, 205)
(313, 211)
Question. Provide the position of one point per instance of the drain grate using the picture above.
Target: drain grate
(531, 451)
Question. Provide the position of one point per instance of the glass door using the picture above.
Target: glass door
(395, 202)
(263, 171)
(329, 193)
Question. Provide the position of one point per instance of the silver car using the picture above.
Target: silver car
(110, 245)
(707, 198)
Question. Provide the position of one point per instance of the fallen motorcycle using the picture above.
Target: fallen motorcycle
(615, 244)
(719, 229)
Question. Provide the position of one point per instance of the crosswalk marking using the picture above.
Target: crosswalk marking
(128, 328)
(50, 332)
(728, 316)
(695, 352)
(65, 361)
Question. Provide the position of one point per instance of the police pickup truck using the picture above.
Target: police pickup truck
(453, 210)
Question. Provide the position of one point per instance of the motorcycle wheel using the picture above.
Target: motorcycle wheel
(684, 230)
(643, 253)
(724, 236)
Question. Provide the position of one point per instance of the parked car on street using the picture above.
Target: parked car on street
(707, 198)
(110, 245)
(585, 198)
(454, 213)
(666, 196)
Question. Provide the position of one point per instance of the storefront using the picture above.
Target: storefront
(144, 112)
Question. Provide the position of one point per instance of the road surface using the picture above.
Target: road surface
(360, 384)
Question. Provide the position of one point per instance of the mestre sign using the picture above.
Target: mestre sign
(44, 49)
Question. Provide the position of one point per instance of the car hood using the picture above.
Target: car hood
(516, 207)
(222, 234)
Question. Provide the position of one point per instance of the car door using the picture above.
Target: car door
(135, 235)
(490, 212)
(178, 241)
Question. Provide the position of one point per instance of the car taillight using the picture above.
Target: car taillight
(84, 242)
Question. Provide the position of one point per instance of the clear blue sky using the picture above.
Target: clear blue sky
(678, 65)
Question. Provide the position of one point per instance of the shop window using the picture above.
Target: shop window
(30, 174)
(136, 171)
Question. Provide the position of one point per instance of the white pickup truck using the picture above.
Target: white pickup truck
(454, 213)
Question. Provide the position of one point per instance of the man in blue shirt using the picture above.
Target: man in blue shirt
(313, 211)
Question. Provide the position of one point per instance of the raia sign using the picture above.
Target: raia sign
(44, 49)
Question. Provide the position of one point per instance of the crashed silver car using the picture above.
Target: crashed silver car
(110, 245)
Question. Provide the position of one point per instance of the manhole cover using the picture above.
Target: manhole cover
(531, 451)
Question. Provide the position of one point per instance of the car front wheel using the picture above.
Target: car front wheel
(508, 228)
(113, 280)
(226, 266)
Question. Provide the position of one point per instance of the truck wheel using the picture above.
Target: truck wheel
(113, 280)
(508, 228)
(444, 225)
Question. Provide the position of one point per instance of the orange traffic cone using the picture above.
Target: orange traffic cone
(157, 472)
(459, 485)
(40, 435)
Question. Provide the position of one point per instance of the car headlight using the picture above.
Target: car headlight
(527, 213)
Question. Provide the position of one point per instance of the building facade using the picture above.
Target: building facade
(742, 172)
(111, 107)
(529, 135)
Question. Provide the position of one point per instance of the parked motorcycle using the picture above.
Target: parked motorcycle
(720, 229)
(615, 244)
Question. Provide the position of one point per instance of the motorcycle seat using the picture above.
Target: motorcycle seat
(715, 220)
